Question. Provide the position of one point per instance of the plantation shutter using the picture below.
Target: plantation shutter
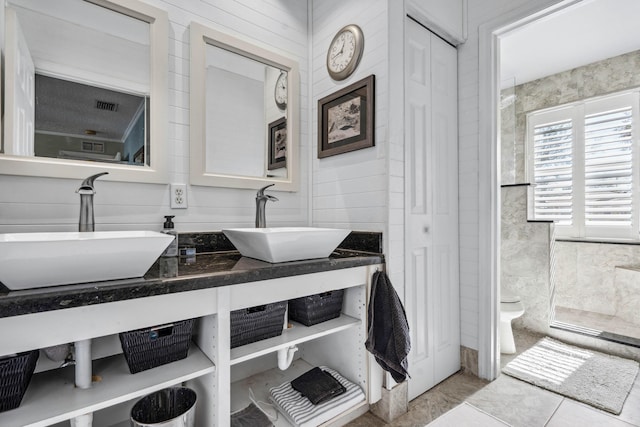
(608, 170)
(553, 168)
(583, 159)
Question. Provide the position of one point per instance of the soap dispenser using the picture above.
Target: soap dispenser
(172, 249)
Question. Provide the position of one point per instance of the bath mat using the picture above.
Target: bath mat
(594, 378)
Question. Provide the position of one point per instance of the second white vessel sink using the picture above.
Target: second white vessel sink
(281, 244)
(36, 260)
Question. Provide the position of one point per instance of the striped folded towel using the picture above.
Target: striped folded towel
(301, 412)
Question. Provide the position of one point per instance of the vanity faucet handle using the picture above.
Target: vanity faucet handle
(87, 185)
(260, 192)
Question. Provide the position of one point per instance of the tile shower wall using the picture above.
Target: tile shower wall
(539, 279)
(627, 286)
(30, 204)
(599, 277)
(525, 259)
(607, 76)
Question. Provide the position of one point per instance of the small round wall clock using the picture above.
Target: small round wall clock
(345, 52)
(280, 91)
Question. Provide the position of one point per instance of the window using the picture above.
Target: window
(584, 162)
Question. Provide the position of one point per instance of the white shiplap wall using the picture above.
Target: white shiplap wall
(30, 204)
(363, 189)
(350, 190)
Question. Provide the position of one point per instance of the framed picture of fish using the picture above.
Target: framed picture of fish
(346, 119)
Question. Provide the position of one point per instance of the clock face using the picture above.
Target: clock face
(280, 91)
(344, 52)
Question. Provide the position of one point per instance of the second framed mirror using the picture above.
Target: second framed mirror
(244, 113)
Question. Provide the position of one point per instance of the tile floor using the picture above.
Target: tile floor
(505, 401)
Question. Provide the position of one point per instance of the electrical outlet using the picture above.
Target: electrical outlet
(178, 196)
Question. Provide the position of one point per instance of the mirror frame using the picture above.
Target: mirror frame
(201, 36)
(157, 172)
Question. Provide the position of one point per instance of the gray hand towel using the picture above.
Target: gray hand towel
(388, 335)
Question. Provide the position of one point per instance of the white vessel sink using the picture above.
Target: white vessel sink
(36, 260)
(285, 243)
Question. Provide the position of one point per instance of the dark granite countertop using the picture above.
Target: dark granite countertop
(178, 274)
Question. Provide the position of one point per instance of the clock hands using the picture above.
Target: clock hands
(341, 50)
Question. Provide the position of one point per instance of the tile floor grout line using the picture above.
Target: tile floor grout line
(464, 402)
(554, 412)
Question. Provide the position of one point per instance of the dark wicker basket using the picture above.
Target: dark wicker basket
(257, 323)
(318, 308)
(150, 347)
(15, 375)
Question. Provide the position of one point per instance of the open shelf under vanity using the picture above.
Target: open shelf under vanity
(260, 383)
(296, 334)
(52, 396)
(336, 343)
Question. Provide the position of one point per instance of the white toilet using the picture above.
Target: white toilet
(510, 308)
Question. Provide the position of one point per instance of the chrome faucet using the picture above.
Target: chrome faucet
(261, 201)
(86, 192)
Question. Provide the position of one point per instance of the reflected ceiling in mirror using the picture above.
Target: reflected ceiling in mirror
(244, 116)
(85, 83)
(77, 121)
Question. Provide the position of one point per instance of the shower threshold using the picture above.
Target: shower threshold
(606, 327)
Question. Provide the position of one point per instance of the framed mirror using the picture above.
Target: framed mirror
(85, 89)
(244, 113)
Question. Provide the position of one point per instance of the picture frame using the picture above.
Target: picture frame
(346, 119)
(277, 144)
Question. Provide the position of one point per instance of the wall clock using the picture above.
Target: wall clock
(345, 52)
(280, 91)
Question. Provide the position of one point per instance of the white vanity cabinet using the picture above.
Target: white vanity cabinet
(52, 397)
(336, 343)
(220, 376)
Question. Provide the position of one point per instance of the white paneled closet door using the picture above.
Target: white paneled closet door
(431, 208)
